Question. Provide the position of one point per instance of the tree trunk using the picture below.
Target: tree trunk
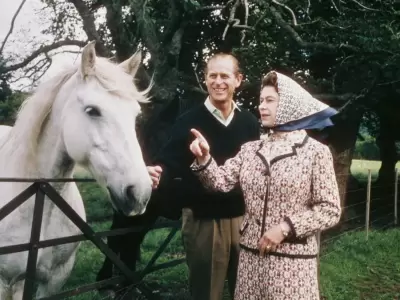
(386, 142)
(342, 140)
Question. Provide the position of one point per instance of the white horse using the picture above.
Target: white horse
(85, 115)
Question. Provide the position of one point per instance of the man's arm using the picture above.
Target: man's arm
(174, 156)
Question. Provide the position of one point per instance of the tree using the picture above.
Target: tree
(341, 52)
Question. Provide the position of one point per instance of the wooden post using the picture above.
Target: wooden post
(368, 206)
(396, 183)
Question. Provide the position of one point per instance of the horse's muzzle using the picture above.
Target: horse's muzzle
(130, 203)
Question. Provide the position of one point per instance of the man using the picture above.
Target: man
(210, 220)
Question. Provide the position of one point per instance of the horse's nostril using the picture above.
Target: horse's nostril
(129, 192)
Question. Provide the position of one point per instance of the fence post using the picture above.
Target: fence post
(396, 183)
(368, 207)
(319, 241)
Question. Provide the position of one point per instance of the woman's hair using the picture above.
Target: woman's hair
(271, 79)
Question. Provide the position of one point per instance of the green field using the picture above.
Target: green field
(359, 168)
(351, 267)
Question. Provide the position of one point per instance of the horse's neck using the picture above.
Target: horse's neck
(52, 160)
(49, 161)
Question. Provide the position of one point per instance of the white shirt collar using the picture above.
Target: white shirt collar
(218, 114)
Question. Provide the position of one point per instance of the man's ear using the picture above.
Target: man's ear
(239, 78)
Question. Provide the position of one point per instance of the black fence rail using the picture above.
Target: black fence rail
(41, 188)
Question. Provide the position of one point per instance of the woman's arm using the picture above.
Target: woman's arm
(222, 178)
(325, 207)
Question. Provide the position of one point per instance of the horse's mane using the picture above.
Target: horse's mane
(34, 111)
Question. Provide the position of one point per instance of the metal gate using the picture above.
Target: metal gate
(41, 188)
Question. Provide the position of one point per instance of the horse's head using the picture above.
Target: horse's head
(98, 121)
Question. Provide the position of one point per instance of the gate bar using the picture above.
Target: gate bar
(35, 237)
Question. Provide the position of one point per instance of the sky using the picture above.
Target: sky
(28, 26)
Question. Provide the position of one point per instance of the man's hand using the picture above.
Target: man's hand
(272, 238)
(200, 147)
(155, 174)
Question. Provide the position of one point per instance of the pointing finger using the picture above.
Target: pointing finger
(195, 148)
(197, 134)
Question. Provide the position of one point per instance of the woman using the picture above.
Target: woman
(290, 191)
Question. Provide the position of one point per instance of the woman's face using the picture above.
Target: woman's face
(269, 99)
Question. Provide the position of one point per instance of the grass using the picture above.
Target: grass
(349, 267)
(354, 268)
(173, 280)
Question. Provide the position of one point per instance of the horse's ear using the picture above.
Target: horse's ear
(88, 59)
(131, 65)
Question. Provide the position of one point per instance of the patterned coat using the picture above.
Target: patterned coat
(288, 176)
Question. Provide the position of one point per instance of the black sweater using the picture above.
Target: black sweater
(224, 141)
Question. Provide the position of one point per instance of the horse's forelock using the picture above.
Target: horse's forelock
(114, 80)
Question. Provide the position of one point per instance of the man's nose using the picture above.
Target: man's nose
(218, 80)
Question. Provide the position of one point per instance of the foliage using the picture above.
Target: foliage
(313, 41)
(366, 149)
(10, 106)
(10, 101)
(5, 90)
(344, 53)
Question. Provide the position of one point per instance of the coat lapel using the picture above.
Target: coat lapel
(275, 148)
(261, 153)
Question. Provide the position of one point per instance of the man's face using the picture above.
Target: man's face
(221, 79)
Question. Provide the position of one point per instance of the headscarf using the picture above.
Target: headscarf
(298, 109)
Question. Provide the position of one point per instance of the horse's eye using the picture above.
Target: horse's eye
(92, 111)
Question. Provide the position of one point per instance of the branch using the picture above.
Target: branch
(69, 51)
(289, 9)
(214, 7)
(334, 5)
(89, 25)
(236, 22)
(366, 92)
(42, 50)
(363, 6)
(308, 9)
(12, 25)
(176, 41)
(146, 28)
(175, 18)
(118, 32)
(36, 72)
(198, 79)
(304, 44)
(333, 98)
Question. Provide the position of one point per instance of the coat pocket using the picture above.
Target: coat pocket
(243, 227)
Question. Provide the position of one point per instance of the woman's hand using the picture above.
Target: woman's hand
(200, 147)
(272, 238)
